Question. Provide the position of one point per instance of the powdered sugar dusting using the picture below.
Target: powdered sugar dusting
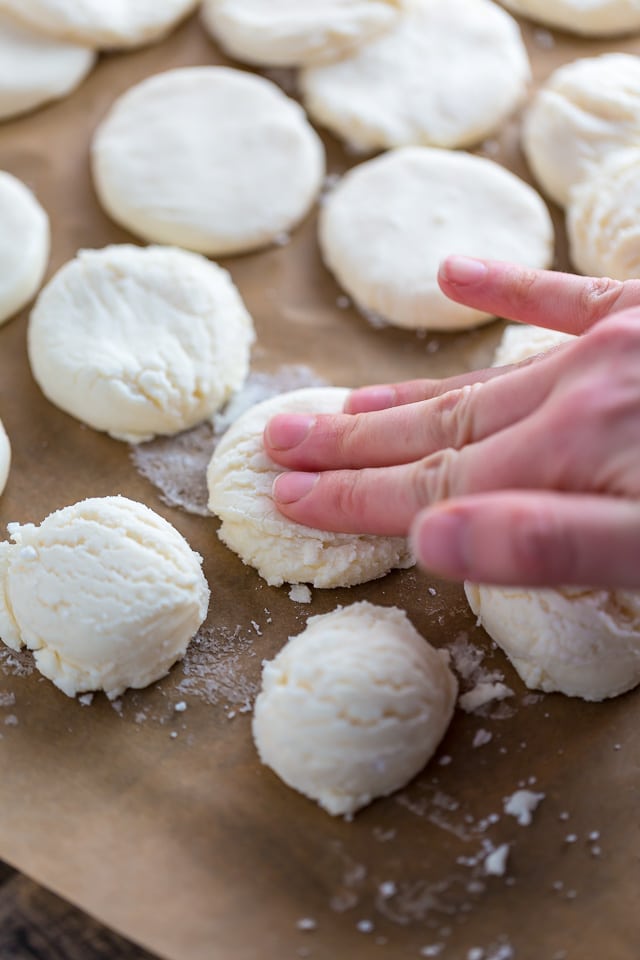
(213, 668)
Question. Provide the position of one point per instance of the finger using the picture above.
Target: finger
(545, 298)
(381, 396)
(533, 539)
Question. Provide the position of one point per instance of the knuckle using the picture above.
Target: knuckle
(453, 417)
(523, 281)
(433, 477)
(599, 297)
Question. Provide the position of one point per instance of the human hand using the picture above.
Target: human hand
(517, 475)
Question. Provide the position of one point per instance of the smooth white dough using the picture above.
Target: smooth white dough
(5, 457)
(240, 477)
(105, 592)
(521, 341)
(353, 707)
(35, 69)
(101, 23)
(388, 224)
(291, 33)
(584, 111)
(447, 75)
(140, 341)
(597, 18)
(603, 219)
(212, 159)
(24, 245)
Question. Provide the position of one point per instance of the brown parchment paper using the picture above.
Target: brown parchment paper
(163, 824)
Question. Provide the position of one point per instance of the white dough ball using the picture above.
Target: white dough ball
(106, 593)
(354, 707)
(212, 159)
(596, 18)
(290, 33)
(583, 643)
(5, 457)
(585, 110)
(101, 23)
(389, 223)
(448, 74)
(521, 341)
(24, 245)
(240, 478)
(140, 341)
(603, 219)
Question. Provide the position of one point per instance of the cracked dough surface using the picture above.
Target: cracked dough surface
(353, 707)
(596, 18)
(24, 245)
(139, 341)
(212, 159)
(240, 477)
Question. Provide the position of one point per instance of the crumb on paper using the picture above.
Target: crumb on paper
(482, 738)
(365, 926)
(300, 593)
(483, 693)
(495, 863)
(522, 805)
(180, 707)
(432, 950)
(86, 699)
(306, 924)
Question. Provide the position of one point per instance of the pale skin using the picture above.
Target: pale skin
(528, 474)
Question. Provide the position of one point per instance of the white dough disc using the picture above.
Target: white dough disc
(291, 33)
(24, 245)
(603, 219)
(240, 478)
(389, 223)
(139, 341)
(584, 111)
(35, 69)
(584, 643)
(5, 457)
(521, 341)
(105, 592)
(101, 23)
(596, 18)
(447, 75)
(212, 159)
(353, 707)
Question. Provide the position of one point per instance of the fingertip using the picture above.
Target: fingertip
(439, 542)
(462, 271)
(370, 399)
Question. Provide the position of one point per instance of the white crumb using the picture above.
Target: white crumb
(496, 862)
(522, 804)
(482, 693)
(300, 593)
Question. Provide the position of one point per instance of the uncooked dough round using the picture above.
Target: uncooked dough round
(24, 245)
(208, 158)
(240, 478)
(5, 457)
(101, 23)
(35, 69)
(447, 75)
(584, 643)
(140, 341)
(389, 223)
(597, 18)
(584, 111)
(521, 341)
(105, 592)
(603, 219)
(291, 33)
(353, 707)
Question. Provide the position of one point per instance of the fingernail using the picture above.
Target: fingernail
(287, 430)
(289, 487)
(439, 541)
(464, 271)
(368, 399)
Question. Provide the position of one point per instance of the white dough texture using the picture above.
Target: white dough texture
(24, 245)
(106, 593)
(389, 223)
(353, 707)
(521, 341)
(212, 159)
(35, 69)
(595, 18)
(583, 643)
(107, 24)
(584, 111)
(447, 75)
(291, 33)
(140, 341)
(240, 478)
(603, 219)
(5, 457)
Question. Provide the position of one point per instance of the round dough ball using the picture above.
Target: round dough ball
(105, 592)
(603, 219)
(240, 478)
(291, 33)
(584, 643)
(597, 18)
(389, 223)
(101, 23)
(139, 341)
(521, 341)
(447, 75)
(585, 110)
(207, 158)
(35, 69)
(352, 708)
(24, 245)
(5, 457)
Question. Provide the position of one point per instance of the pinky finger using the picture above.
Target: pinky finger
(383, 396)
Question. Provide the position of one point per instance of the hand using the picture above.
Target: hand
(517, 475)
